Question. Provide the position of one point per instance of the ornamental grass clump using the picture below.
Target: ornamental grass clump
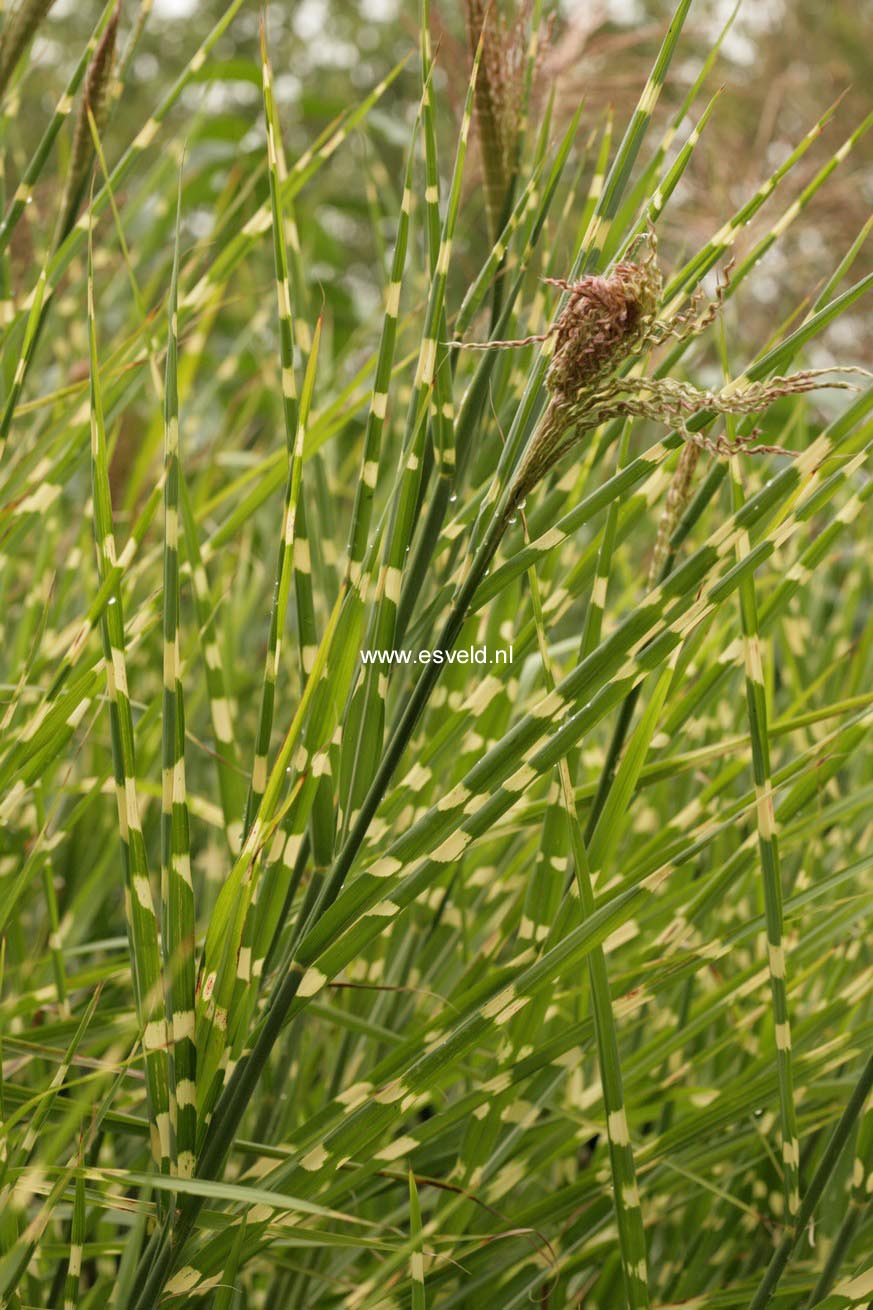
(338, 971)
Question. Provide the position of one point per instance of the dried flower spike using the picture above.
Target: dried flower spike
(21, 25)
(498, 95)
(96, 99)
(678, 496)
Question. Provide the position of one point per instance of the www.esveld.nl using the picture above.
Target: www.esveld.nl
(465, 655)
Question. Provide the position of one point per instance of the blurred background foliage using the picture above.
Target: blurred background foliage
(782, 64)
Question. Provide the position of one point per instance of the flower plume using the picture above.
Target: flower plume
(604, 320)
(599, 343)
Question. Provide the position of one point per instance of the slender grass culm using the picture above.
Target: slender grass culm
(434, 766)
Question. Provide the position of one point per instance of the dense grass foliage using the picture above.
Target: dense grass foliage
(532, 969)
